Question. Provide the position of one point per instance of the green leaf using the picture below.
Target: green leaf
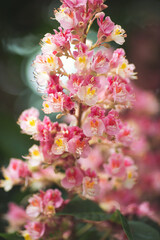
(13, 236)
(126, 226)
(142, 231)
(115, 217)
(91, 233)
(136, 230)
(85, 209)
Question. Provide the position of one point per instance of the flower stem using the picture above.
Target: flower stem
(79, 114)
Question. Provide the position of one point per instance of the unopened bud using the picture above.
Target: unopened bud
(58, 54)
(73, 32)
(103, 38)
(60, 115)
(72, 112)
(106, 45)
(81, 24)
(100, 15)
(74, 41)
(104, 6)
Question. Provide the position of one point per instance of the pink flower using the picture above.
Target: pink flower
(68, 104)
(44, 203)
(53, 103)
(35, 157)
(97, 112)
(74, 82)
(131, 172)
(16, 216)
(60, 145)
(118, 35)
(57, 102)
(88, 94)
(53, 197)
(121, 92)
(17, 172)
(95, 3)
(48, 45)
(126, 70)
(35, 230)
(125, 136)
(93, 160)
(49, 156)
(112, 123)
(47, 63)
(128, 161)
(61, 39)
(93, 126)
(73, 178)
(83, 58)
(47, 130)
(35, 207)
(75, 3)
(106, 26)
(55, 43)
(66, 17)
(53, 85)
(90, 187)
(28, 121)
(90, 184)
(100, 63)
(115, 165)
(117, 57)
(146, 102)
(79, 146)
(86, 87)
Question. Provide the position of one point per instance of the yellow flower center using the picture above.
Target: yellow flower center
(27, 237)
(46, 105)
(129, 175)
(50, 60)
(117, 32)
(6, 177)
(59, 142)
(32, 122)
(48, 40)
(91, 91)
(123, 66)
(82, 59)
(36, 152)
(50, 209)
(94, 124)
(89, 184)
(63, 9)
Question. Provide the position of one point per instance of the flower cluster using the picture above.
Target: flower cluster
(40, 213)
(90, 152)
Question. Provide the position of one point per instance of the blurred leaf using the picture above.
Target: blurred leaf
(85, 209)
(13, 236)
(91, 234)
(151, 223)
(142, 231)
(126, 226)
(136, 230)
(115, 217)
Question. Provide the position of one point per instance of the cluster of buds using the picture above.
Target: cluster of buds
(88, 152)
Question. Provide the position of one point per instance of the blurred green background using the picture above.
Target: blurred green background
(23, 24)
